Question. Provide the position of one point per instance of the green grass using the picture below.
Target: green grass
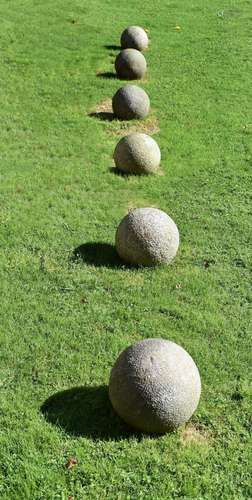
(64, 322)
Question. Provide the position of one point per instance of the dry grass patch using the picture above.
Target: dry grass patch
(148, 126)
(104, 112)
(193, 435)
(104, 107)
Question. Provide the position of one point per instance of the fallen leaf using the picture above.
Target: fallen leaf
(71, 463)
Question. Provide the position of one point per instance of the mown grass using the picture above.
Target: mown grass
(64, 321)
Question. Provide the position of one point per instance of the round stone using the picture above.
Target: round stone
(147, 237)
(137, 154)
(155, 386)
(131, 102)
(130, 64)
(134, 37)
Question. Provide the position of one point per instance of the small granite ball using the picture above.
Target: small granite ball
(155, 386)
(134, 37)
(147, 237)
(131, 102)
(137, 154)
(130, 64)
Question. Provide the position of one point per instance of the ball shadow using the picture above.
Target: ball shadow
(103, 115)
(107, 75)
(120, 173)
(113, 47)
(85, 411)
(98, 254)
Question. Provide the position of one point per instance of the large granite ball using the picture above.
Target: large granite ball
(130, 64)
(137, 154)
(147, 237)
(134, 37)
(131, 102)
(155, 386)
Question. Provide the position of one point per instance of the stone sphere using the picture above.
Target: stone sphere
(147, 237)
(130, 64)
(137, 154)
(134, 37)
(131, 102)
(155, 386)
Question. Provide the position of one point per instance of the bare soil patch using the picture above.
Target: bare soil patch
(104, 112)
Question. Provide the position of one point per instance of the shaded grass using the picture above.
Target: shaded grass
(85, 411)
(98, 254)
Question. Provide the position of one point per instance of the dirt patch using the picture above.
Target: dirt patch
(148, 126)
(104, 112)
(105, 106)
(193, 435)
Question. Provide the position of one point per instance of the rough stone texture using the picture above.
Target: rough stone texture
(147, 237)
(134, 37)
(131, 102)
(137, 154)
(155, 386)
(130, 64)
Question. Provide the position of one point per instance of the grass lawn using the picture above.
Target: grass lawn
(65, 320)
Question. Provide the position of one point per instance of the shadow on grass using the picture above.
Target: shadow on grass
(98, 254)
(120, 173)
(107, 75)
(116, 171)
(103, 115)
(113, 47)
(85, 411)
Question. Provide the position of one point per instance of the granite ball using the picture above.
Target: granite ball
(137, 154)
(147, 237)
(155, 386)
(134, 37)
(130, 64)
(131, 102)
